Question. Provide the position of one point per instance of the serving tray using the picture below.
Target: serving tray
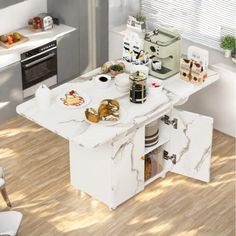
(22, 40)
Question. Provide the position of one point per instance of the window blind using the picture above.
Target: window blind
(202, 21)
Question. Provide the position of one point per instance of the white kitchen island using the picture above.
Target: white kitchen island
(107, 162)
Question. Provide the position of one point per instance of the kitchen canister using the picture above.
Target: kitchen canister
(43, 97)
(138, 87)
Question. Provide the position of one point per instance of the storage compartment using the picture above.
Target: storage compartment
(181, 148)
(156, 134)
(153, 164)
(152, 134)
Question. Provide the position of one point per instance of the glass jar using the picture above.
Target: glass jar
(138, 87)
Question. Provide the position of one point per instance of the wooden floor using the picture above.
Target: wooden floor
(37, 172)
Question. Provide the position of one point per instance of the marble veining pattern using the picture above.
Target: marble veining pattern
(117, 149)
(205, 155)
(191, 142)
(187, 126)
(67, 123)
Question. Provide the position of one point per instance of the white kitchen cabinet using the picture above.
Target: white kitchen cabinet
(108, 163)
(188, 150)
(112, 173)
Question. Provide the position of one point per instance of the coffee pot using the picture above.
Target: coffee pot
(138, 88)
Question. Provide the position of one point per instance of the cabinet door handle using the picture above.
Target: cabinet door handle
(143, 158)
(40, 60)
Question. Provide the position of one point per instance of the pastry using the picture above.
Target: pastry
(109, 110)
(92, 115)
(106, 67)
(122, 64)
(72, 98)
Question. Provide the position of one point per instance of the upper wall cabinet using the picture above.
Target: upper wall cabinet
(4, 3)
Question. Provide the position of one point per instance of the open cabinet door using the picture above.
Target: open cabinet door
(191, 142)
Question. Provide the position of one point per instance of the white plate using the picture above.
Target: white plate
(87, 100)
(123, 116)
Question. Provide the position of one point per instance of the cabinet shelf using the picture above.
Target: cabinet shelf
(162, 140)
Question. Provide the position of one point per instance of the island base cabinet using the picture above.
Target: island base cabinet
(111, 173)
(188, 151)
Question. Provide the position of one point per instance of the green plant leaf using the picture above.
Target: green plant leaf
(228, 42)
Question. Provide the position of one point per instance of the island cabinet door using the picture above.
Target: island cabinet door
(127, 175)
(189, 152)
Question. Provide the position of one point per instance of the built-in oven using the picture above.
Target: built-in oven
(39, 66)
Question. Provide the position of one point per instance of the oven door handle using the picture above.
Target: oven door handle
(39, 60)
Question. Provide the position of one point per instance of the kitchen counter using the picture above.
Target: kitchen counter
(70, 124)
(105, 161)
(12, 55)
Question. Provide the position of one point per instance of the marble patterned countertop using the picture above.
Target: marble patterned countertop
(72, 125)
(12, 55)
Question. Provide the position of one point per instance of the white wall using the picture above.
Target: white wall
(120, 9)
(17, 16)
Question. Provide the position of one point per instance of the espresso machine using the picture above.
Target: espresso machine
(163, 47)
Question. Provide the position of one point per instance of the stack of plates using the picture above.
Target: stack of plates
(152, 134)
(122, 82)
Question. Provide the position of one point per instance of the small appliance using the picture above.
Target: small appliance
(39, 66)
(47, 21)
(138, 87)
(163, 46)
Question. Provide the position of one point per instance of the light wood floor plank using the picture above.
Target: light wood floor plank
(37, 172)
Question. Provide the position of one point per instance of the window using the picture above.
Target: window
(202, 21)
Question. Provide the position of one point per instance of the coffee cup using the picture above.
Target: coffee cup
(102, 81)
(156, 64)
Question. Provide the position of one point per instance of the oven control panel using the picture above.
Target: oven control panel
(39, 50)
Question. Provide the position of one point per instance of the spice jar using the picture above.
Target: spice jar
(138, 88)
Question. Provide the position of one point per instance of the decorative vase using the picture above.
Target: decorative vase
(227, 53)
(43, 96)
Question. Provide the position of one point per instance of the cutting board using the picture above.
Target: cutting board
(22, 40)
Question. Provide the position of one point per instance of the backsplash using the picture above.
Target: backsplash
(16, 16)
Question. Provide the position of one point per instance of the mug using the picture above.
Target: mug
(156, 64)
(102, 81)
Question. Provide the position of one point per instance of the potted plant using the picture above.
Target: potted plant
(140, 18)
(137, 22)
(116, 69)
(228, 44)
